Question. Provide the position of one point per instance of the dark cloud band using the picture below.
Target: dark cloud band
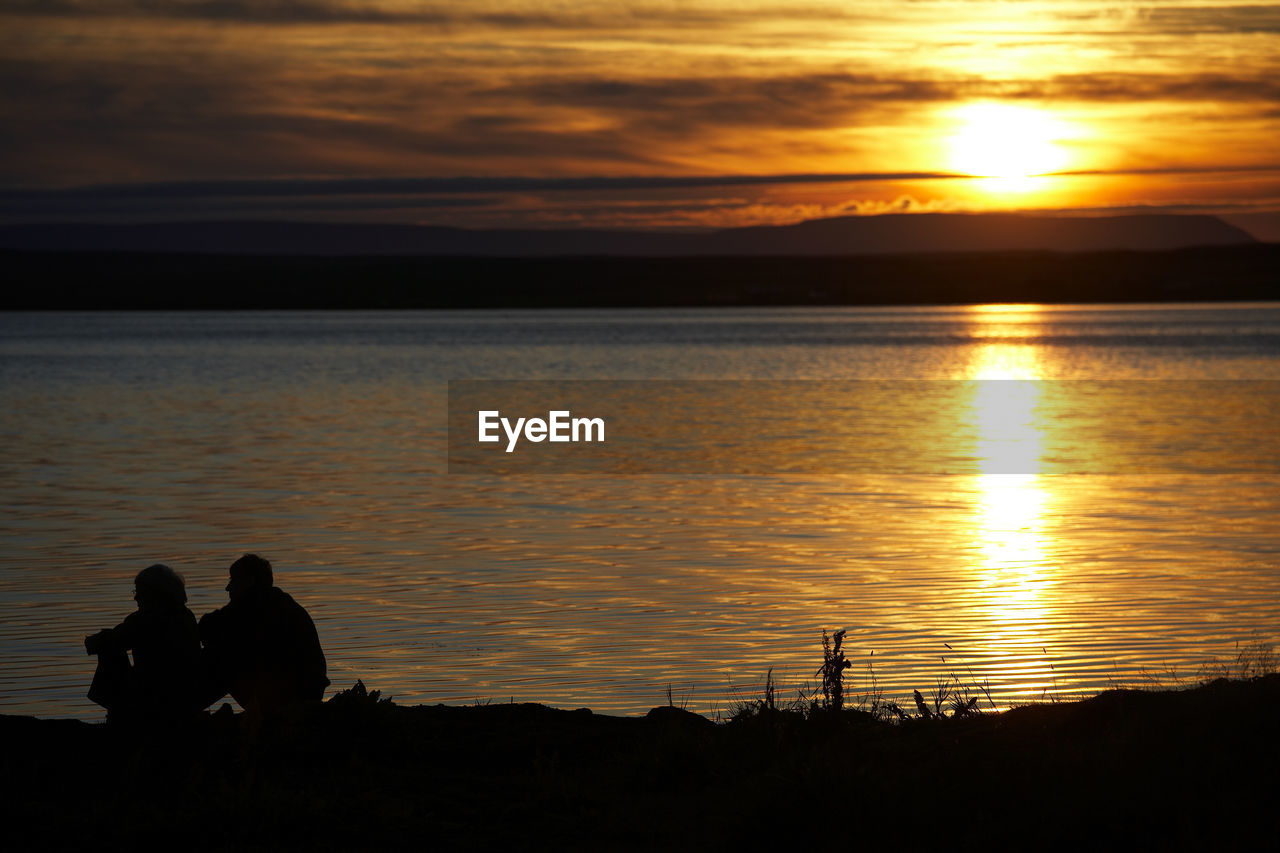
(444, 186)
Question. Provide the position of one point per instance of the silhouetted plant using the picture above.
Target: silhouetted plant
(1054, 697)
(357, 696)
(985, 687)
(891, 710)
(943, 690)
(951, 694)
(684, 700)
(872, 701)
(1255, 660)
(921, 705)
(767, 703)
(834, 664)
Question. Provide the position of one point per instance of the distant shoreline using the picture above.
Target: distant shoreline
(94, 280)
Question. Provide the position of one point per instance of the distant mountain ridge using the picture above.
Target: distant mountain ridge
(850, 235)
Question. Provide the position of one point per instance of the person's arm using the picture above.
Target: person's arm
(103, 641)
(119, 638)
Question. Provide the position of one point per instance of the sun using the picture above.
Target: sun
(1009, 144)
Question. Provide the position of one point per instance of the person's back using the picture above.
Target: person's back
(263, 645)
(166, 653)
(163, 681)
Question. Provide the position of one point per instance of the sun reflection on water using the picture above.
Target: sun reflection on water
(1012, 570)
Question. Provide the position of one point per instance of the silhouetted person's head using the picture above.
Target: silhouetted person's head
(248, 574)
(159, 586)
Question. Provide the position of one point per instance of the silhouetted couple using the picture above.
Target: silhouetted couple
(262, 648)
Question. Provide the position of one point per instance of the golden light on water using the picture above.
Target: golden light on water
(1009, 511)
(1009, 440)
(1006, 393)
(1011, 546)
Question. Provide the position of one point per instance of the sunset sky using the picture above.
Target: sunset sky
(620, 114)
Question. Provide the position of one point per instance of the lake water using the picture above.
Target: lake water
(320, 441)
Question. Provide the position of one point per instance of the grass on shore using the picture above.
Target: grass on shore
(1154, 770)
(953, 697)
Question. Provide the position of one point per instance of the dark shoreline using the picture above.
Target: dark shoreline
(1198, 767)
(149, 281)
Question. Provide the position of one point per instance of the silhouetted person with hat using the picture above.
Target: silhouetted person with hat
(163, 682)
(262, 647)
